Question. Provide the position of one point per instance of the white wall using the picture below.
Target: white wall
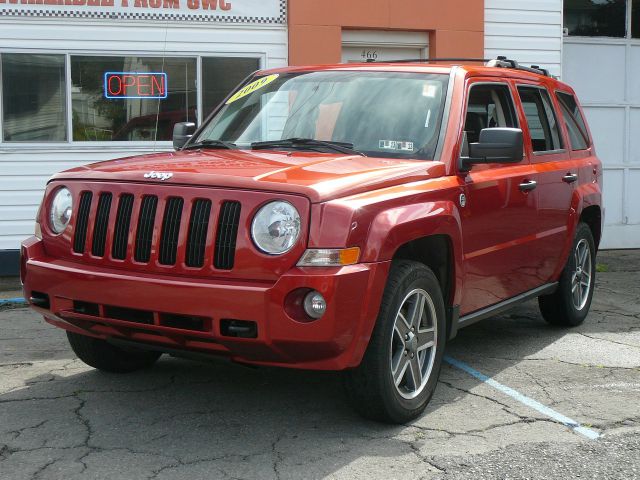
(25, 168)
(528, 31)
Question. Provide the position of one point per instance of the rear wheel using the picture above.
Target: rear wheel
(570, 303)
(400, 369)
(102, 355)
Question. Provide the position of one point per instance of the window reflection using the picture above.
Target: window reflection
(595, 18)
(33, 98)
(98, 118)
(221, 75)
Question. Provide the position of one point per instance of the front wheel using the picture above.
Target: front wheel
(400, 369)
(570, 303)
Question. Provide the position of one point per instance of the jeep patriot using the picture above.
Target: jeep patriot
(346, 217)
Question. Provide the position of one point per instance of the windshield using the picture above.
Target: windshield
(382, 114)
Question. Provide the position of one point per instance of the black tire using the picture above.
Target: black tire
(561, 308)
(102, 355)
(370, 387)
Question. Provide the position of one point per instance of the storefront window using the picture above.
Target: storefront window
(595, 18)
(33, 98)
(131, 98)
(635, 19)
(220, 76)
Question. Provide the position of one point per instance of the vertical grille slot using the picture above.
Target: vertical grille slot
(227, 234)
(123, 223)
(100, 226)
(82, 220)
(144, 233)
(170, 231)
(198, 228)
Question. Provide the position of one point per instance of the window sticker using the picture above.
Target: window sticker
(252, 87)
(396, 145)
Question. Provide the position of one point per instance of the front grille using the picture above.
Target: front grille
(123, 224)
(102, 222)
(227, 234)
(82, 222)
(198, 227)
(144, 235)
(169, 231)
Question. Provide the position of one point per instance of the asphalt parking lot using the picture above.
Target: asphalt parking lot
(183, 420)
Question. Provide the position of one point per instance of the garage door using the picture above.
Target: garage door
(369, 45)
(604, 74)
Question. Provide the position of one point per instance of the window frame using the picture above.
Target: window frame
(131, 145)
(585, 134)
(561, 128)
(474, 81)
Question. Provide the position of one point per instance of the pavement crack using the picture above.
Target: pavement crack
(593, 337)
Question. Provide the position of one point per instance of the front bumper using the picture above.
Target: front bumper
(335, 342)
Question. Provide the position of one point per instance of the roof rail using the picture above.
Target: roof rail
(499, 62)
(504, 62)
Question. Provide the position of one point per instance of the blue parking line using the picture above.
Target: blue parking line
(549, 412)
(7, 301)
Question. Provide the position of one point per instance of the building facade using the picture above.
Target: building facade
(68, 95)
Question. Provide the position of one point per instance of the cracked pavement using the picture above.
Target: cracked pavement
(59, 419)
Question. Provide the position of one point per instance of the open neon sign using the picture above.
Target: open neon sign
(151, 85)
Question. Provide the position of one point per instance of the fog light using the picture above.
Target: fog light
(315, 305)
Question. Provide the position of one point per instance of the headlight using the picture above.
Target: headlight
(61, 208)
(276, 228)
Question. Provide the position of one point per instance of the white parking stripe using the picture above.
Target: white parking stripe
(549, 412)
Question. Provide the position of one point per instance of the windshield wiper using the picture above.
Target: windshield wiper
(211, 144)
(342, 147)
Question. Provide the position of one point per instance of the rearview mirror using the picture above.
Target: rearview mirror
(496, 145)
(182, 132)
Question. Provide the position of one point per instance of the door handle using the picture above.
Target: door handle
(528, 185)
(570, 177)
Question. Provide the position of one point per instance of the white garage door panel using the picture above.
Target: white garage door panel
(633, 197)
(634, 68)
(634, 151)
(613, 196)
(609, 141)
(588, 68)
(605, 74)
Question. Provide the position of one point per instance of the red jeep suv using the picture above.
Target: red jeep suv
(347, 217)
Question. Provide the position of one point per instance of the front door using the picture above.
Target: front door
(499, 219)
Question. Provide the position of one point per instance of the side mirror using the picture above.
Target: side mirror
(182, 132)
(496, 145)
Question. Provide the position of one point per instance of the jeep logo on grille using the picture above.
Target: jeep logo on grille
(159, 175)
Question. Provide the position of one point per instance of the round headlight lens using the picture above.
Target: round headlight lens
(61, 208)
(276, 227)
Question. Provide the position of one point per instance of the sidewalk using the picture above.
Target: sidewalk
(10, 288)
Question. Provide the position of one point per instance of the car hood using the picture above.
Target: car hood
(319, 176)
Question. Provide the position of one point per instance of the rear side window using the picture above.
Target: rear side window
(490, 106)
(574, 120)
(541, 119)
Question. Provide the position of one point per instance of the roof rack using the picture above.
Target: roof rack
(504, 62)
(498, 62)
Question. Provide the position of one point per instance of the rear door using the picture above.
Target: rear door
(555, 175)
(499, 216)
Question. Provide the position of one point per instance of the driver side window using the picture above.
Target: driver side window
(489, 106)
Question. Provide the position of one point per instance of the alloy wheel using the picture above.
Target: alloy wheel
(413, 343)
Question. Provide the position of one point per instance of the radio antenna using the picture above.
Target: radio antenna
(166, 82)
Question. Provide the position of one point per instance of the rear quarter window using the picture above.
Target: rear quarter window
(574, 121)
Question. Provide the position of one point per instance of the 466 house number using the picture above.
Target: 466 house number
(369, 55)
